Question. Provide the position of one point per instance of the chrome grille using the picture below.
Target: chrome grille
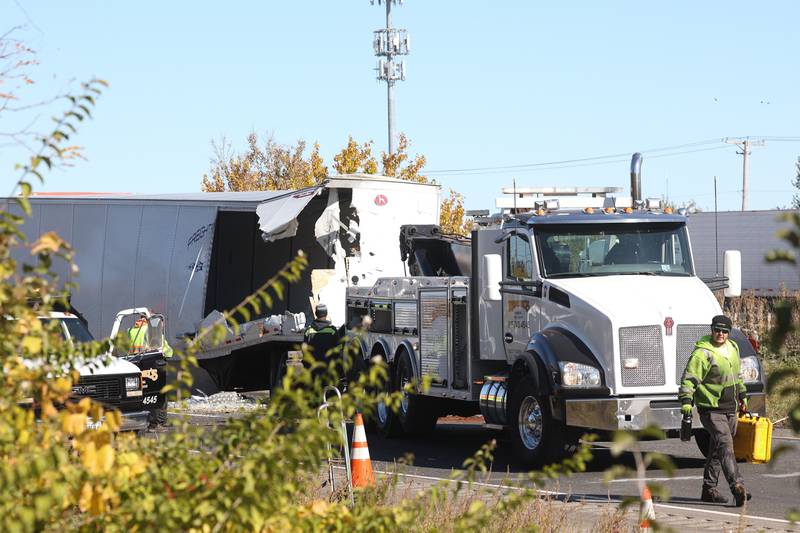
(646, 344)
(101, 388)
(687, 336)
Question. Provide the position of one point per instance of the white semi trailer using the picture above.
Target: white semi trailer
(569, 315)
(190, 256)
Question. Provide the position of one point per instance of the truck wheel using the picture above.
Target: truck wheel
(385, 419)
(417, 414)
(531, 428)
(279, 371)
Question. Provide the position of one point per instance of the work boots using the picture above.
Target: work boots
(740, 495)
(712, 495)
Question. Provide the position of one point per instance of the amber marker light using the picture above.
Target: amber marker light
(608, 210)
(588, 210)
(629, 210)
(668, 210)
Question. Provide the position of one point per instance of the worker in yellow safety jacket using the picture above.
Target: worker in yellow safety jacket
(711, 382)
(140, 339)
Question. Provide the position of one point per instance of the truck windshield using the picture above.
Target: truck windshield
(77, 330)
(578, 250)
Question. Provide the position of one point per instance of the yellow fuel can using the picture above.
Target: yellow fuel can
(753, 439)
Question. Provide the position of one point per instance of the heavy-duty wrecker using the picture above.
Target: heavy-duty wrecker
(569, 312)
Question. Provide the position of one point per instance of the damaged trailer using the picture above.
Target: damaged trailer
(191, 256)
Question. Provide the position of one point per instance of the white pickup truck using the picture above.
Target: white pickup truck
(116, 383)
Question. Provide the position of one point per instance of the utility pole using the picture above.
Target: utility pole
(388, 43)
(745, 144)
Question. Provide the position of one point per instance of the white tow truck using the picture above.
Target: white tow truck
(564, 314)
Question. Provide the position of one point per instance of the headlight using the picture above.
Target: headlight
(578, 375)
(749, 370)
(132, 383)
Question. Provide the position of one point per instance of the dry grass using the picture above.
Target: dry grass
(754, 315)
(782, 398)
(443, 507)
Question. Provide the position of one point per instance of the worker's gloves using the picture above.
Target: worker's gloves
(743, 406)
(686, 409)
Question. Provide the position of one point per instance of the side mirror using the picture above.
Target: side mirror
(732, 269)
(492, 276)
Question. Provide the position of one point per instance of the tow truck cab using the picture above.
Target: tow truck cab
(607, 306)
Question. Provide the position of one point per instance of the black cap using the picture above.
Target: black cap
(721, 322)
(322, 311)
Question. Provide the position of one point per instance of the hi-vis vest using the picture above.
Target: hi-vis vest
(711, 380)
(139, 340)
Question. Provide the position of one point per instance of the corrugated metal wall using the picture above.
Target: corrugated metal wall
(751, 232)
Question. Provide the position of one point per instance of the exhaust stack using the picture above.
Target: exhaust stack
(636, 179)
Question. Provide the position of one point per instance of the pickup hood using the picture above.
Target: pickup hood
(639, 300)
(114, 367)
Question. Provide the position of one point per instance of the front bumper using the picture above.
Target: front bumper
(135, 421)
(636, 413)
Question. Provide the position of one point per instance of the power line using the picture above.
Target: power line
(598, 160)
(554, 165)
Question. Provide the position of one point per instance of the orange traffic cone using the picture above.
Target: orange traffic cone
(647, 512)
(360, 463)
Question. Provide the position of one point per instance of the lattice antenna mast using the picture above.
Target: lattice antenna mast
(388, 43)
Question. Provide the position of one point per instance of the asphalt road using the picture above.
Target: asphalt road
(775, 487)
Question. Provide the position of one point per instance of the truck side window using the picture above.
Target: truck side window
(519, 259)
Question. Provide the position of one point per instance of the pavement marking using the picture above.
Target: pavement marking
(657, 479)
(611, 499)
(732, 515)
(790, 474)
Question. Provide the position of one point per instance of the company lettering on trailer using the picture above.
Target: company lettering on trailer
(517, 311)
(381, 200)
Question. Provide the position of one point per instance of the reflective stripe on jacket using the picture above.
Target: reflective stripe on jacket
(711, 380)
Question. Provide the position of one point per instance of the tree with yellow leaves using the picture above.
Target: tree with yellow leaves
(279, 167)
(271, 167)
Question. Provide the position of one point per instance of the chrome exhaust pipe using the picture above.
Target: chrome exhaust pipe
(636, 179)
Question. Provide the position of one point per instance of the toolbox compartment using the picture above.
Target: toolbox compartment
(753, 440)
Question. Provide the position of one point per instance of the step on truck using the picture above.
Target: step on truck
(570, 312)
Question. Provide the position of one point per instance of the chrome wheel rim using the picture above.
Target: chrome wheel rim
(531, 423)
(383, 413)
(404, 400)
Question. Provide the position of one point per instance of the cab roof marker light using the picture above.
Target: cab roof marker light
(588, 210)
(628, 210)
(668, 210)
(608, 210)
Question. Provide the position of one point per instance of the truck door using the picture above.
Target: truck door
(521, 292)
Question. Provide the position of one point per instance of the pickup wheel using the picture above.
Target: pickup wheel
(533, 433)
(416, 414)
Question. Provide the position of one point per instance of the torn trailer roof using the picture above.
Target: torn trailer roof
(188, 255)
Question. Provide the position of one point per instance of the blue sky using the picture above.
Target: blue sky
(488, 85)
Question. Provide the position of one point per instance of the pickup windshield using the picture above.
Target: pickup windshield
(581, 250)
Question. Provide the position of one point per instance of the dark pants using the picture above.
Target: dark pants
(721, 427)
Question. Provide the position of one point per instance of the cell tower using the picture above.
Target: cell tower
(388, 43)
